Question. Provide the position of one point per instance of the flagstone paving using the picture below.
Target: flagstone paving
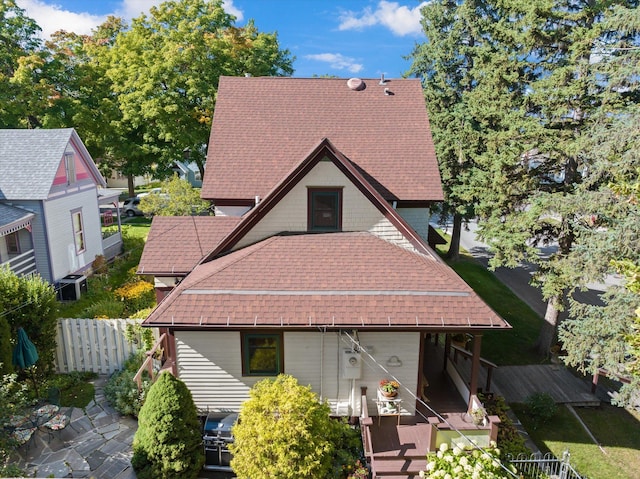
(95, 444)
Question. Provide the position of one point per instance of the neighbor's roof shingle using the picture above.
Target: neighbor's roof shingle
(334, 280)
(177, 243)
(29, 160)
(262, 127)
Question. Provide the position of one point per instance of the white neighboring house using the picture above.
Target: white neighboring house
(50, 197)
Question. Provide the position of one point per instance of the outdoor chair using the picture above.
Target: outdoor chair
(56, 423)
(53, 396)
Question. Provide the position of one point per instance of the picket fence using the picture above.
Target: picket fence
(97, 345)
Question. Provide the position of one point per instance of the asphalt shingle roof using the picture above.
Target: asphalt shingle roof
(29, 160)
(10, 214)
(176, 244)
(335, 280)
(262, 127)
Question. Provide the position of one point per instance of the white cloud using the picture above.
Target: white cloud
(337, 61)
(51, 17)
(400, 19)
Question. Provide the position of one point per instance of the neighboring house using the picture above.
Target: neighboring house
(317, 263)
(50, 192)
(188, 171)
(118, 180)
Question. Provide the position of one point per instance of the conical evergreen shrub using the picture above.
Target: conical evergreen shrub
(168, 442)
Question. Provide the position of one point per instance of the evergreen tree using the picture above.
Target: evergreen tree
(168, 442)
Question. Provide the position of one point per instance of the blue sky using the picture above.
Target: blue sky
(346, 38)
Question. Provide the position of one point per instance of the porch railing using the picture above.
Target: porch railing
(488, 365)
(538, 466)
(365, 430)
(22, 264)
(158, 352)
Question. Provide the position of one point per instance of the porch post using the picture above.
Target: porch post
(475, 366)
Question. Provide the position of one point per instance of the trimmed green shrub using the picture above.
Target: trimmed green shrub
(122, 391)
(541, 408)
(168, 442)
(285, 432)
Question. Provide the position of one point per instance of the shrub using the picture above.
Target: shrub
(105, 308)
(510, 441)
(136, 295)
(122, 391)
(30, 302)
(285, 432)
(13, 397)
(541, 407)
(168, 442)
(467, 462)
(6, 348)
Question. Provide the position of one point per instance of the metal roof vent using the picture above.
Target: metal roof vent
(356, 84)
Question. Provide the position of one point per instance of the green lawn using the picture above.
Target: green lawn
(99, 287)
(615, 429)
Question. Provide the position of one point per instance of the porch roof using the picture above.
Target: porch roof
(325, 280)
(12, 219)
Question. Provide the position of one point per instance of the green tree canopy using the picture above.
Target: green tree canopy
(165, 72)
(178, 198)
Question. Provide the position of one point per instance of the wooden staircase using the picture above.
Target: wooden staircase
(407, 467)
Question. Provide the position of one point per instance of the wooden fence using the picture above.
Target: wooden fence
(97, 345)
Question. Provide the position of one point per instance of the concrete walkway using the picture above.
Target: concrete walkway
(96, 443)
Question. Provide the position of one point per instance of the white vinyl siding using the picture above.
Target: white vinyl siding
(210, 364)
(60, 232)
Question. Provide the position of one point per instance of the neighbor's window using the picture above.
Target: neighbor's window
(325, 209)
(70, 167)
(261, 354)
(78, 231)
(13, 244)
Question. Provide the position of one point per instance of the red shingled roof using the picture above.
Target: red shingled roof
(334, 280)
(263, 126)
(177, 243)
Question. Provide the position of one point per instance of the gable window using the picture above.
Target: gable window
(78, 231)
(261, 354)
(70, 168)
(13, 244)
(325, 209)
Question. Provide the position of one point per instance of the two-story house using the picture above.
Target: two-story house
(50, 192)
(317, 263)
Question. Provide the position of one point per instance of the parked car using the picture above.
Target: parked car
(216, 437)
(130, 207)
(152, 191)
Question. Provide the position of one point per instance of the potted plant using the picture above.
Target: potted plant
(389, 388)
(478, 415)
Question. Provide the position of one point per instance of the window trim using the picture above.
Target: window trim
(78, 233)
(244, 351)
(311, 194)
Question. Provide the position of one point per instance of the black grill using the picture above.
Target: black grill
(216, 438)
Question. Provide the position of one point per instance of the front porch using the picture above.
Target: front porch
(398, 449)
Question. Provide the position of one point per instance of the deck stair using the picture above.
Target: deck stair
(407, 467)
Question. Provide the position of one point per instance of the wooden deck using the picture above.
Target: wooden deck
(516, 383)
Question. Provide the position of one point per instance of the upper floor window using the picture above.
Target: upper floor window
(325, 209)
(70, 168)
(78, 231)
(261, 354)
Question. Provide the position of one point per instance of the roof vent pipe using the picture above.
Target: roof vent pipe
(382, 80)
(257, 199)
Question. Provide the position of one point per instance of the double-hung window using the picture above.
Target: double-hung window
(78, 231)
(262, 354)
(325, 209)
